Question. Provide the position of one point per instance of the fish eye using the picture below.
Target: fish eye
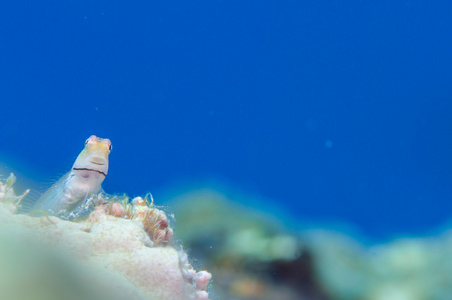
(86, 142)
(110, 147)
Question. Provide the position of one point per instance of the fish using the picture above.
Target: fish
(76, 187)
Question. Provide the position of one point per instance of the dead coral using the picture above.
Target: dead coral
(155, 222)
(7, 195)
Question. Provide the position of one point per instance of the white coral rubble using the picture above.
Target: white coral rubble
(107, 255)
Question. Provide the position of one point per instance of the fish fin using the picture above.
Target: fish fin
(46, 183)
(26, 204)
(48, 200)
(53, 195)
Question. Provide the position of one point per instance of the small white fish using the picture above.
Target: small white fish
(83, 181)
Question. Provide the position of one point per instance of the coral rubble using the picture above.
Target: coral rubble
(121, 251)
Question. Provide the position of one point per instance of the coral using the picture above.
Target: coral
(406, 268)
(121, 251)
(7, 195)
(254, 257)
(154, 221)
(251, 253)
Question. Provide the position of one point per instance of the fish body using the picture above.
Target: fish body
(82, 181)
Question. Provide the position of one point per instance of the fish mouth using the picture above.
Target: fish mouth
(92, 170)
(97, 163)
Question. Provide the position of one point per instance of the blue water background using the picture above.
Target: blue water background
(336, 110)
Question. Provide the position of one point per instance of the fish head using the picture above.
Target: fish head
(95, 155)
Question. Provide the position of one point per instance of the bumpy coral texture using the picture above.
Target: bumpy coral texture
(122, 251)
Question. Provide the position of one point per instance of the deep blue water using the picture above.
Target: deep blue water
(336, 110)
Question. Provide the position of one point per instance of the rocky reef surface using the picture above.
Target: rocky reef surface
(122, 250)
(256, 256)
(125, 249)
